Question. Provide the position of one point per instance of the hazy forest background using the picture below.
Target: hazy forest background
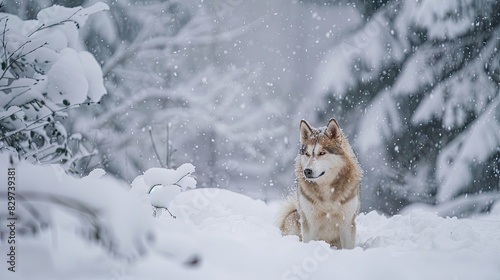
(223, 84)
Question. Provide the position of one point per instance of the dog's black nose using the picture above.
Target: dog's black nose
(308, 173)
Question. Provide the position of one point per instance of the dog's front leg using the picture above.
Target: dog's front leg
(305, 229)
(348, 236)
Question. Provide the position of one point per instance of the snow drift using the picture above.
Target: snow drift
(220, 234)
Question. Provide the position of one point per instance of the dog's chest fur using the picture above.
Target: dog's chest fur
(326, 209)
(325, 221)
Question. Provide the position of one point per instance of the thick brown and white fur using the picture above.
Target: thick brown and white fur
(326, 202)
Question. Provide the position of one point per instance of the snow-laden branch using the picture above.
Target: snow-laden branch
(474, 146)
(42, 77)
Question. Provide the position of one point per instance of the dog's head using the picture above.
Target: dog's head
(321, 151)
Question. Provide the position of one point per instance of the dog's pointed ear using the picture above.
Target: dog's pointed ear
(305, 131)
(332, 129)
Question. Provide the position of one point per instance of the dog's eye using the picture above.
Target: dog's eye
(307, 154)
(322, 153)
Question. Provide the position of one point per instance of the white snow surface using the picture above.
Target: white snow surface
(232, 236)
(167, 177)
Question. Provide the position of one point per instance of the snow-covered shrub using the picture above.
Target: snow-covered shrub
(95, 210)
(43, 75)
(159, 186)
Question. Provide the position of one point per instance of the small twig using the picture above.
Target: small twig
(171, 215)
(4, 42)
(90, 158)
(11, 88)
(41, 27)
(168, 146)
(3, 118)
(154, 148)
(7, 105)
(151, 189)
(19, 57)
(18, 49)
(180, 179)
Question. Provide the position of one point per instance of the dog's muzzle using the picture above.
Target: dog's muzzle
(308, 173)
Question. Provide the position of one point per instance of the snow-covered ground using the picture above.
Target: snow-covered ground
(218, 234)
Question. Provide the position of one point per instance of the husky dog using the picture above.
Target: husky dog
(326, 202)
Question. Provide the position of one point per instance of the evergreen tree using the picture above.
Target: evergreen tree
(417, 86)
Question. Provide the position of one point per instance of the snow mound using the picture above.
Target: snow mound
(161, 185)
(168, 177)
(425, 231)
(219, 234)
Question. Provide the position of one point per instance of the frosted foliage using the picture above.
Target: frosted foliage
(46, 48)
(78, 15)
(381, 120)
(453, 100)
(44, 75)
(448, 18)
(93, 74)
(415, 74)
(342, 79)
(455, 160)
(67, 78)
(365, 52)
